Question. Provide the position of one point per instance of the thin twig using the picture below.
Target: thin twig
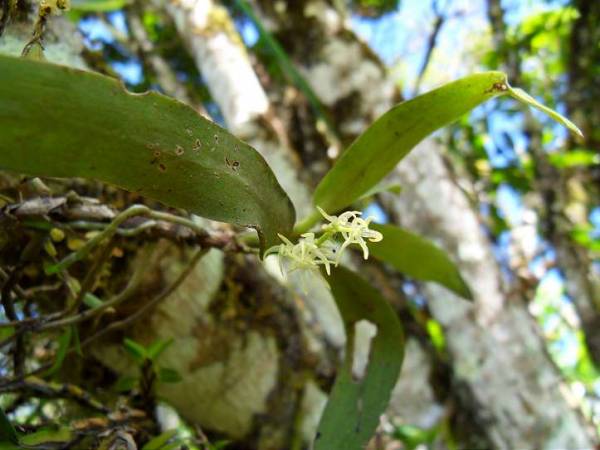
(152, 303)
(125, 294)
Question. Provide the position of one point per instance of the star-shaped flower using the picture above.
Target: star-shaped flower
(353, 228)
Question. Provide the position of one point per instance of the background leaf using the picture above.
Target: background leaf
(98, 5)
(159, 441)
(354, 406)
(138, 351)
(62, 122)
(418, 258)
(63, 345)
(7, 431)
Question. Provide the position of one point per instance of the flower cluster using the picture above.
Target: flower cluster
(311, 252)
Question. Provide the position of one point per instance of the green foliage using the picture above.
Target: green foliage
(63, 346)
(149, 144)
(418, 258)
(143, 356)
(47, 436)
(99, 5)
(574, 158)
(354, 406)
(414, 437)
(7, 431)
(524, 97)
(389, 139)
(160, 441)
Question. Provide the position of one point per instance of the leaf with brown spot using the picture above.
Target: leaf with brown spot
(61, 122)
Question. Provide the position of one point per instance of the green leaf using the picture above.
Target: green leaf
(574, 158)
(9, 446)
(354, 406)
(92, 301)
(98, 5)
(389, 139)
(48, 435)
(166, 375)
(159, 441)
(63, 346)
(62, 122)
(125, 384)
(7, 431)
(157, 347)
(524, 97)
(138, 351)
(418, 258)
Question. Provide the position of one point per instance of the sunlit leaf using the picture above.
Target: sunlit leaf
(418, 258)
(354, 406)
(61, 122)
(98, 5)
(49, 435)
(524, 97)
(390, 138)
(159, 441)
(574, 158)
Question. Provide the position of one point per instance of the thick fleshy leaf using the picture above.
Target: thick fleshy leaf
(354, 406)
(389, 139)
(418, 258)
(377, 151)
(61, 122)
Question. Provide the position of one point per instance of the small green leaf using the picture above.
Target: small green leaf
(62, 122)
(48, 435)
(157, 347)
(7, 431)
(389, 139)
(125, 384)
(524, 97)
(98, 5)
(418, 258)
(138, 351)
(91, 300)
(63, 346)
(352, 412)
(167, 375)
(6, 332)
(159, 441)
(574, 158)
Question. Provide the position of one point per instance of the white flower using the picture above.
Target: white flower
(306, 254)
(353, 229)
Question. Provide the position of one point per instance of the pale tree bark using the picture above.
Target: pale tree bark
(510, 386)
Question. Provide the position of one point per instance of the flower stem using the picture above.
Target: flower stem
(307, 223)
